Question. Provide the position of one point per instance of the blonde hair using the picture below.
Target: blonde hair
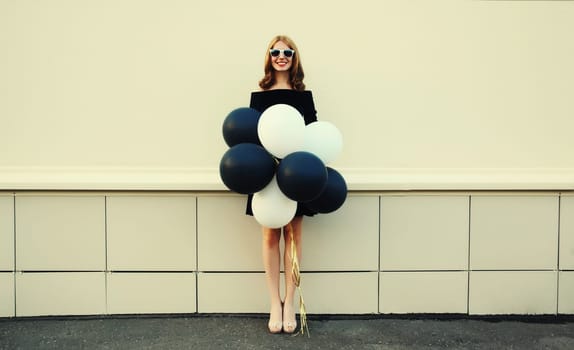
(296, 74)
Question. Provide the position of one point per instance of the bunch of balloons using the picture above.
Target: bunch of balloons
(281, 161)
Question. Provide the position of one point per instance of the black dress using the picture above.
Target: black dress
(300, 100)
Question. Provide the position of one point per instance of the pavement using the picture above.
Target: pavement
(250, 332)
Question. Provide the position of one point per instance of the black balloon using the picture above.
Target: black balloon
(246, 168)
(240, 126)
(333, 196)
(301, 176)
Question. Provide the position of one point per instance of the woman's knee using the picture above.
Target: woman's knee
(294, 228)
(271, 237)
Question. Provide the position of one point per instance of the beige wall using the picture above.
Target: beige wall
(427, 252)
(428, 94)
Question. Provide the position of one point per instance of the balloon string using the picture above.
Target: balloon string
(296, 276)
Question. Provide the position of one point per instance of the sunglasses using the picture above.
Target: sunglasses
(286, 52)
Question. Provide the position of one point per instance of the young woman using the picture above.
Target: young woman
(283, 83)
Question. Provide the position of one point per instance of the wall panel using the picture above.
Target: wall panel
(512, 292)
(346, 240)
(566, 232)
(232, 292)
(424, 232)
(60, 293)
(151, 233)
(229, 239)
(149, 293)
(6, 232)
(423, 292)
(340, 292)
(60, 232)
(7, 296)
(514, 232)
(566, 292)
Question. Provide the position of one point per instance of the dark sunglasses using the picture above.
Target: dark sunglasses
(286, 52)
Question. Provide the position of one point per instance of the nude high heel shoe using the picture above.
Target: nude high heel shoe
(289, 326)
(275, 326)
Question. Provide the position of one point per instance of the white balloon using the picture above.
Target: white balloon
(281, 130)
(271, 208)
(324, 140)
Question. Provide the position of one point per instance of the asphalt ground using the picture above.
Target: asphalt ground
(250, 332)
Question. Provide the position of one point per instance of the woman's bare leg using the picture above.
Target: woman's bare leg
(289, 320)
(271, 263)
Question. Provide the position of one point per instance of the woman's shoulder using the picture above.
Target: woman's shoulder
(282, 92)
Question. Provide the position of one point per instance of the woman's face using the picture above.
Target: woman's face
(281, 63)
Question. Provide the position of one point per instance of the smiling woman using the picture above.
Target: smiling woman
(282, 57)
(283, 84)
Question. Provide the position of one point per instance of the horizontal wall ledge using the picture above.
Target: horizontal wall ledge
(358, 179)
